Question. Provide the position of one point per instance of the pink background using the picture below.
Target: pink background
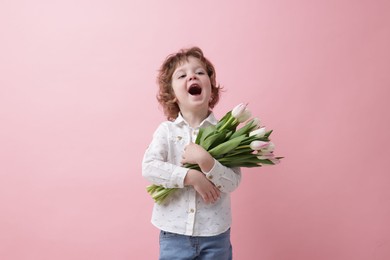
(78, 109)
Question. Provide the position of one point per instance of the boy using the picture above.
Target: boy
(195, 220)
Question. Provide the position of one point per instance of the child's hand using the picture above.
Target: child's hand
(196, 154)
(203, 186)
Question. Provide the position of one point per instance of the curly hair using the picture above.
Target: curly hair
(166, 96)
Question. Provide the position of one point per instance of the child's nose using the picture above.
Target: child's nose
(192, 76)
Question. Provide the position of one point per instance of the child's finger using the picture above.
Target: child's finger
(215, 195)
(218, 192)
(206, 198)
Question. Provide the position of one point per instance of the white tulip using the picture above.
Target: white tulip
(258, 132)
(269, 148)
(256, 122)
(238, 110)
(244, 116)
(258, 145)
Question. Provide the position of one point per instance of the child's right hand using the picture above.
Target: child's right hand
(202, 185)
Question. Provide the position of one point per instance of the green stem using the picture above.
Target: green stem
(230, 121)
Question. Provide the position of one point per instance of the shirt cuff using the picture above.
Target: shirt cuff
(178, 175)
(210, 174)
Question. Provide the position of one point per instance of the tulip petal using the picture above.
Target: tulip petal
(258, 145)
(244, 116)
(226, 146)
(238, 110)
(258, 132)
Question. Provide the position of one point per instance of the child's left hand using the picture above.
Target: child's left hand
(196, 154)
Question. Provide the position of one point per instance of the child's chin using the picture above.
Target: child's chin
(197, 98)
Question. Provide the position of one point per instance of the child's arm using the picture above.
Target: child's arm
(196, 154)
(202, 185)
(224, 178)
(156, 167)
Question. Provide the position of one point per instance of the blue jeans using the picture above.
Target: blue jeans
(181, 247)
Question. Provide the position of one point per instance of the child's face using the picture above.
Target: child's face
(191, 85)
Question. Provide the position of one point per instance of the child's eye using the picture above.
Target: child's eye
(181, 76)
(200, 73)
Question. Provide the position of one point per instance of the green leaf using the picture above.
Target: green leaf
(224, 119)
(226, 147)
(244, 130)
(265, 161)
(231, 164)
(199, 136)
(240, 151)
(229, 134)
(243, 156)
(227, 123)
(213, 140)
(248, 139)
(239, 161)
(206, 132)
(268, 133)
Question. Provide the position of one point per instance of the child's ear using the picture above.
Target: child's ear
(211, 99)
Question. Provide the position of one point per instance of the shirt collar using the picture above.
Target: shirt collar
(210, 119)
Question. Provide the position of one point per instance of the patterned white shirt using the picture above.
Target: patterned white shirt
(184, 212)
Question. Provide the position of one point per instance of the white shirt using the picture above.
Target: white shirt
(184, 212)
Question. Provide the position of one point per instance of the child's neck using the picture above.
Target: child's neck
(194, 119)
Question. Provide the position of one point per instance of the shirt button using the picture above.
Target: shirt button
(219, 186)
(192, 210)
(210, 177)
(176, 186)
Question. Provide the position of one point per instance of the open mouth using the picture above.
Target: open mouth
(195, 90)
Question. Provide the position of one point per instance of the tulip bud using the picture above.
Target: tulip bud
(275, 161)
(258, 145)
(268, 156)
(258, 132)
(244, 116)
(238, 110)
(256, 122)
(269, 148)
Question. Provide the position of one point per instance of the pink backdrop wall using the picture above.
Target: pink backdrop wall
(78, 108)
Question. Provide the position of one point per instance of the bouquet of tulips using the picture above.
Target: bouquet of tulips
(248, 146)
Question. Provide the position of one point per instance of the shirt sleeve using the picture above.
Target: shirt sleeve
(224, 178)
(155, 165)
